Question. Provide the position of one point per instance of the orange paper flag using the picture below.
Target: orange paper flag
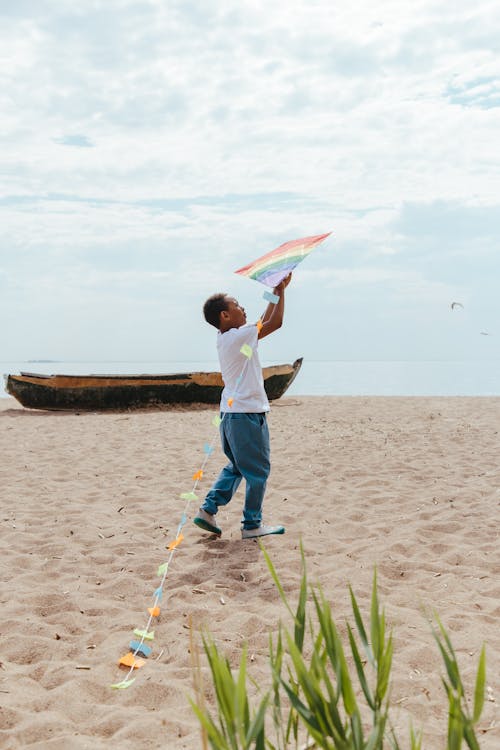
(154, 611)
(230, 402)
(198, 474)
(129, 660)
(176, 542)
(259, 325)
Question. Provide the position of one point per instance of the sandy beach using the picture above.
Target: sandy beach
(89, 502)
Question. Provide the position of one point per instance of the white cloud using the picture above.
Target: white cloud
(147, 138)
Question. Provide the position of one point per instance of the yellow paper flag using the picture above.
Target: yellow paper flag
(247, 351)
(147, 635)
(123, 684)
(189, 496)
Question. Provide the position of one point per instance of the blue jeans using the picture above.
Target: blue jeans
(245, 441)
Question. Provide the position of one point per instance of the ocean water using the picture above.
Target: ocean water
(337, 378)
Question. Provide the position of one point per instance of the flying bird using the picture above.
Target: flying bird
(456, 304)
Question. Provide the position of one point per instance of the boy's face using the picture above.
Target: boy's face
(234, 316)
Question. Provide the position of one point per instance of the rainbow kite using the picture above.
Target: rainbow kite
(273, 267)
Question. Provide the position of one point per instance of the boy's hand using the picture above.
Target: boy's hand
(282, 285)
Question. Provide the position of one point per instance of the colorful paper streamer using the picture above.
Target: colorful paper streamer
(131, 659)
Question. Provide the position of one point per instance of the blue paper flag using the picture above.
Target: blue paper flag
(140, 648)
(271, 297)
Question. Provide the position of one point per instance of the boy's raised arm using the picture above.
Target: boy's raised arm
(273, 316)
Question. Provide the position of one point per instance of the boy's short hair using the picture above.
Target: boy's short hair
(213, 308)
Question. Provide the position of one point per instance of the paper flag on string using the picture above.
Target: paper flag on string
(129, 660)
(162, 569)
(216, 420)
(147, 635)
(122, 685)
(176, 542)
(198, 474)
(140, 648)
(271, 297)
(183, 519)
(208, 449)
(189, 496)
(259, 323)
(230, 402)
(273, 267)
(247, 351)
(158, 593)
(154, 611)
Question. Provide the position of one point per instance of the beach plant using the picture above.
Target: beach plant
(236, 726)
(324, 694)
(461, 722)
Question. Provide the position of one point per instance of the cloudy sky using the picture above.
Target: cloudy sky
(151, 147)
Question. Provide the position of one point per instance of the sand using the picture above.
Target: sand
(89, 502)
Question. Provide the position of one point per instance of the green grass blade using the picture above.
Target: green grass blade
(449, 657)
(470, 737)
(375, 740)
(240, 709)
(384, 671)
(360, 627)
(300, 615)
(255, 729)
(276, 579)
(215, 736)
(375, 619)
(450, 664)
(479, 689)
(360, 669)
(311, 719)
(415, 739)
(348, 696)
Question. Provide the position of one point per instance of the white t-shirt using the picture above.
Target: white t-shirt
(242, 376)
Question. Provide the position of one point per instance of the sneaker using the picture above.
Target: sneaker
(261, 531)
(206, 522)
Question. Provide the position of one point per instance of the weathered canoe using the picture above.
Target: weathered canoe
(101, 392)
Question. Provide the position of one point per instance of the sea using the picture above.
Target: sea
(318, 378)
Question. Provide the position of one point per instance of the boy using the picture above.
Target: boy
(244, 431)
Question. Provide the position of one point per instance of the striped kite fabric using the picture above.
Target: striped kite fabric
(273, 267)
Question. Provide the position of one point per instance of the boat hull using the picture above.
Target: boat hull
(108, 392)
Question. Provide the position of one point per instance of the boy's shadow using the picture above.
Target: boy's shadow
(232, 559)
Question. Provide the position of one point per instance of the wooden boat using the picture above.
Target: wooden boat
(101, 392)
